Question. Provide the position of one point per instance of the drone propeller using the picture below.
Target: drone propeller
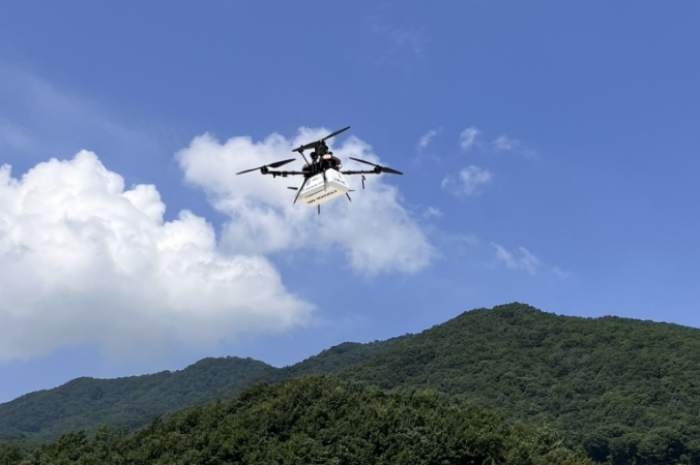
(264, 168)
(379, 169)
(315, 144)
(333, 134)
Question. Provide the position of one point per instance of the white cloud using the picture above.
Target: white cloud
(426, 138)
(82, 260)
(505, 143)
(468, 137)
(468, 181)
(520, 259)
(432, 212)
(375, 233)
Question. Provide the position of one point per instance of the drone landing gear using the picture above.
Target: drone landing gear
(319, 209)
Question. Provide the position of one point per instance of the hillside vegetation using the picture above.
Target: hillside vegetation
(615, 387)
(316, 420)
(622, 390)
(133, 401)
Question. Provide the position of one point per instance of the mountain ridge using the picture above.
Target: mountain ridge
(612, 386)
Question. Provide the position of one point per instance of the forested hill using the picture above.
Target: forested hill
(129, 401)
(619, 388)
(316, 420)
(133, 401)
(613, 385)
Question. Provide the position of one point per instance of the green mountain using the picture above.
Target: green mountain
(316, 420)
(133, 401)
(619, 389)
(613, 386)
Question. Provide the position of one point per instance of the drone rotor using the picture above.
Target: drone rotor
(265, 168)
(377, 168)
(312, 145)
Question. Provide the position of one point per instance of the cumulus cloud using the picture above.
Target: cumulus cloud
(468, 137)
(84, 260)
(520, 259)
(505, 143)
(375, 233)
(426, 138)
(432, 212)
(468, 181)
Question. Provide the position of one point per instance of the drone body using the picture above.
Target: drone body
(323, 177)
(323, 187)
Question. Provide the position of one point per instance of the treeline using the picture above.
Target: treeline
(85, 403)
(315, 420)
(620, 389)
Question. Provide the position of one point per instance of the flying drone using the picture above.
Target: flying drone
(323, 178)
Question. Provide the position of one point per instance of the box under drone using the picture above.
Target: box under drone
(316, 192)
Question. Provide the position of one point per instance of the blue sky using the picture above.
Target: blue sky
(550, 152)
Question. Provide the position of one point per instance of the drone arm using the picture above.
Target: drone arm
(284, 174)
(361, 172)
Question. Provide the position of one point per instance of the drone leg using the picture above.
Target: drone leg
(319, 209)
(348, 196)
(301, 188)
(363, 181)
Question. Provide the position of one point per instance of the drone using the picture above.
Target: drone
(323, 177)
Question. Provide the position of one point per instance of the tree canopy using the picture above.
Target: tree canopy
(316, 420)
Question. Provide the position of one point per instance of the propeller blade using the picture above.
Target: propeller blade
(301, 188)
(333, 134)
(386, 169)
(315, 144)
(276, 164)
(252, 169)
(362, 161)
(308, 146)
(293, 188)
(382, 169)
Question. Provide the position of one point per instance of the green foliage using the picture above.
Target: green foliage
(620, 390)
(319, 420)
(87, 402)
(10, 455)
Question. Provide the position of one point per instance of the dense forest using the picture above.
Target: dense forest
(315, 420)
(620, 390)
(612, 386)
(133, 401)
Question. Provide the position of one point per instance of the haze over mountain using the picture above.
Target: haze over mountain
(612, 386)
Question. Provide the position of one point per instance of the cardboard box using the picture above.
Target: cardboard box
(316, 192)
